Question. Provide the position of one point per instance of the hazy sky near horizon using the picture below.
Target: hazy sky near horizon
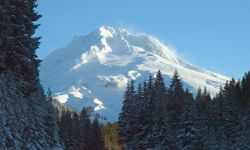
(213, 34)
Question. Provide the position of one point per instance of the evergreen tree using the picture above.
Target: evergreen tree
(126, 117)
(138, 117)
(142, 116)
(20, 51)
(97, 139)
(5, 31)
(146, 134)
(86, 128)
(77, 132)
(206, 115)
(161, 130)
(50, 120)
(66, 130)
(246, 89)
(230, 115)
(176, 94)
(189, 134)
(2, 137)
(23, 102)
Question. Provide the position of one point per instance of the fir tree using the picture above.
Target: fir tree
(97, 139)
(188, 134)
(142, 116)
(50, 120)
(5, 31)
(230, 115)
(176, 94)
(126, 117)
(66, 130)
(161, 129)
(86, 128)
(23, 102)
(77, 132)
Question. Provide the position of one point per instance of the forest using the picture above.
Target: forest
(159, 117)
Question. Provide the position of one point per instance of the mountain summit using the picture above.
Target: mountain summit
(93, 70)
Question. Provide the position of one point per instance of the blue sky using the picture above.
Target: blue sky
(213, 34)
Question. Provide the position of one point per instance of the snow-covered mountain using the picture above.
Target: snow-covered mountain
(93, 70)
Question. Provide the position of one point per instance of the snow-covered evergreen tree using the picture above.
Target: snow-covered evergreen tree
(126, 117)
(162, 135)
(230, 115)
(51, 121)
(188, 134)
(23, 103)
(176, 95)
(142, 115)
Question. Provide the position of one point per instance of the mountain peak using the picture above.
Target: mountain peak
(113, 30)
(106, 31)
(113, 41)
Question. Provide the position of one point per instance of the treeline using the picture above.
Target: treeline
(82, 132)
(78, 132)
(159, 117)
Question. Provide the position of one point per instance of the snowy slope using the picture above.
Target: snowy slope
(93, 70)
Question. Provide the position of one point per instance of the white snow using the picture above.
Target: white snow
(99, 104)
(133, 74)
(137, 49)
(97, 101)
(84, 88)
(62, 98)
(106, 31)
(118, 81)
(101, 63)
(100, 53)
(75, 92)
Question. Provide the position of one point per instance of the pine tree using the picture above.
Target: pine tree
(189, 134)
(146, 135)
(161, 130)
(246, 89)
(176, 95)
(86, 128)
(230, 115)
(66, 130)
(142, 114)
(2, 137)
(206, 115)
(50, 120)
(138, 117)
(77, 132)
(23, 102)
(126, 117)
(5, 32)
(245, 111)
(97, 139)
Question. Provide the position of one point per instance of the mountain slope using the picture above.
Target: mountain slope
(94, 69)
